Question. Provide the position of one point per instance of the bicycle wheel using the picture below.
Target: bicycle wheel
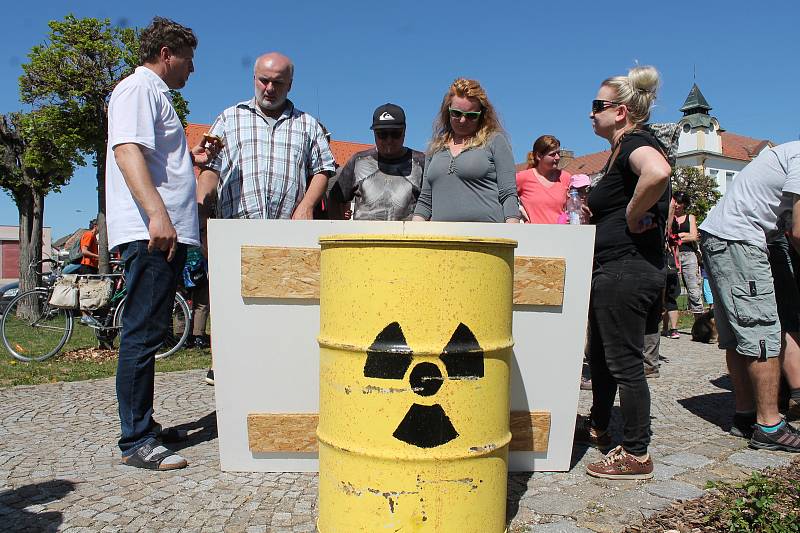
(32, 329)
(177, 332)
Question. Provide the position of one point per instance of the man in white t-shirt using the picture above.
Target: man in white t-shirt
(151, 217)
(734, 240)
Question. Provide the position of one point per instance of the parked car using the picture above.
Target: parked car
(7, 293)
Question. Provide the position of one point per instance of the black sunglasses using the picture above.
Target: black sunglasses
(600, 105)
(385, 134)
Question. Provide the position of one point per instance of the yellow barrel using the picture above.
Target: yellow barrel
(415, 347)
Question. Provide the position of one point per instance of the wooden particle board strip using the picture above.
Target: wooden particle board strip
(297, 432)
(275, 272)
(284, 272)
(273, 432)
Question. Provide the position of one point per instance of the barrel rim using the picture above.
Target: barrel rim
(431, 349)
(415, 455)
(392, 238)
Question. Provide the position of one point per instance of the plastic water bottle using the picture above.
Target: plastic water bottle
(574, 211)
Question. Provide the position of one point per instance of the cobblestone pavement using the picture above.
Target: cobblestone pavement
(60, 471)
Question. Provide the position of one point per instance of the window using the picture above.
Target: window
(729, 177)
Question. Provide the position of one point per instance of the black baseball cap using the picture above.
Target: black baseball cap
(388, 116)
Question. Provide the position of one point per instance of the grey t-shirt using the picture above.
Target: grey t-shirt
(758, 198)
(478, 185)
(383, 189)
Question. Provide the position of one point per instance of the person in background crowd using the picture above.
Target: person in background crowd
(734, 238)
(580, 183)
(469, 170)
(152, 217)
(270, 148)
(542, 187)
(683, 239)
(385, 181)
(629, 207)
(195, 280)
(784, 263)
(89, 250)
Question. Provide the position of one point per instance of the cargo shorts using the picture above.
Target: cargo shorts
(744, 296)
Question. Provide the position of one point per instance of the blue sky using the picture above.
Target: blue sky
(541, 64)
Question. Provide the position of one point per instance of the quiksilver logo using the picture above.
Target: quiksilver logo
(385, 116)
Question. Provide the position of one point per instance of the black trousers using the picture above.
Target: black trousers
(624, 292)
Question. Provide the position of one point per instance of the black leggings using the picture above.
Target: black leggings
(623, 293)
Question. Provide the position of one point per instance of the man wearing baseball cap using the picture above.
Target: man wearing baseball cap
(383, 182)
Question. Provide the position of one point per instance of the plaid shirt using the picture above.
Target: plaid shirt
(264, 168)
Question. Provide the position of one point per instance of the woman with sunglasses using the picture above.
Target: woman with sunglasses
(629, 207)
(542, 187)
(469, 170)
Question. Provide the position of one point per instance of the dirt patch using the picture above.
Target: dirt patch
(770, 497)
(89, 354)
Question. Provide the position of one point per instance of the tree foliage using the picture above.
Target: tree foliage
(75, 70)
(38, 155)
(701, 188)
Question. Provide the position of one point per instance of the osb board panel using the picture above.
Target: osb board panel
(539, 280)
(276, 272)
(530, 431)
(268, 432)
(296, 432)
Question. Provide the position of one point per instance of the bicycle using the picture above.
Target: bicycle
(33, 330)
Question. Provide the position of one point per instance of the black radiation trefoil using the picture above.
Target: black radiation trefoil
(389, 357)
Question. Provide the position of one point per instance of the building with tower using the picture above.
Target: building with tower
(703, 144)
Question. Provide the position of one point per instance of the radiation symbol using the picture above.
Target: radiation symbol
(389, 357)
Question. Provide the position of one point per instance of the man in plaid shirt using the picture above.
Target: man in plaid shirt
(275, 162)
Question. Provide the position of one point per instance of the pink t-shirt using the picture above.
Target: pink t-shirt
(542, 203)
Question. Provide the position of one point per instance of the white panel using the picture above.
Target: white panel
(266, 355)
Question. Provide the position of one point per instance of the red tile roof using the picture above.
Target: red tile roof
(741, 147)
(734, 146)
(588, 164)
(342, 150)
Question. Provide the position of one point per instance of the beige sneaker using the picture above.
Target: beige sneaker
(619, 464)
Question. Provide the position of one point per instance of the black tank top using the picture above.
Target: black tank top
(682, 228)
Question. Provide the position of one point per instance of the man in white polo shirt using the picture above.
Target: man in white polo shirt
(152, 217)
(734, 240)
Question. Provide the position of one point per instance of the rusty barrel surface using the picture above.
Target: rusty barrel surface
(415, 348)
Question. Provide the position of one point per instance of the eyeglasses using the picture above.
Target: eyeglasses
(470, 115)
(385, 134)
(600, 105)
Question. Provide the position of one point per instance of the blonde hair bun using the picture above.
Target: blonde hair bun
(644, 79)
(637, 91)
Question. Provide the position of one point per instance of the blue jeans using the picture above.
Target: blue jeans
(624, 294)
(151, 282)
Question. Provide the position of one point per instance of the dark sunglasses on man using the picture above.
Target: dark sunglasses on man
(600, 105)
(470, 115)
(385, 134)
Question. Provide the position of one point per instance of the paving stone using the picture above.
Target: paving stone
(674, 490)
(562, 526)
(687, 460)
(58, 456)
(758, 459)
(554, 504)
(665, 472)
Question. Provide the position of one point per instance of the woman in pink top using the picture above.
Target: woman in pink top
(542, 188)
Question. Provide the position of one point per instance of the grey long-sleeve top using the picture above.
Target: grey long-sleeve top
(478, 185)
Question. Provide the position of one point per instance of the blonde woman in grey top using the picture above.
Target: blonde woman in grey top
(469, 171)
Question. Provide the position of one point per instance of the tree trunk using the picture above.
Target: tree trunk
(102, 234)
(30, 204)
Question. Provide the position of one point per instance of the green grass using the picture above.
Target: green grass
(30, 342)
(13, 372)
